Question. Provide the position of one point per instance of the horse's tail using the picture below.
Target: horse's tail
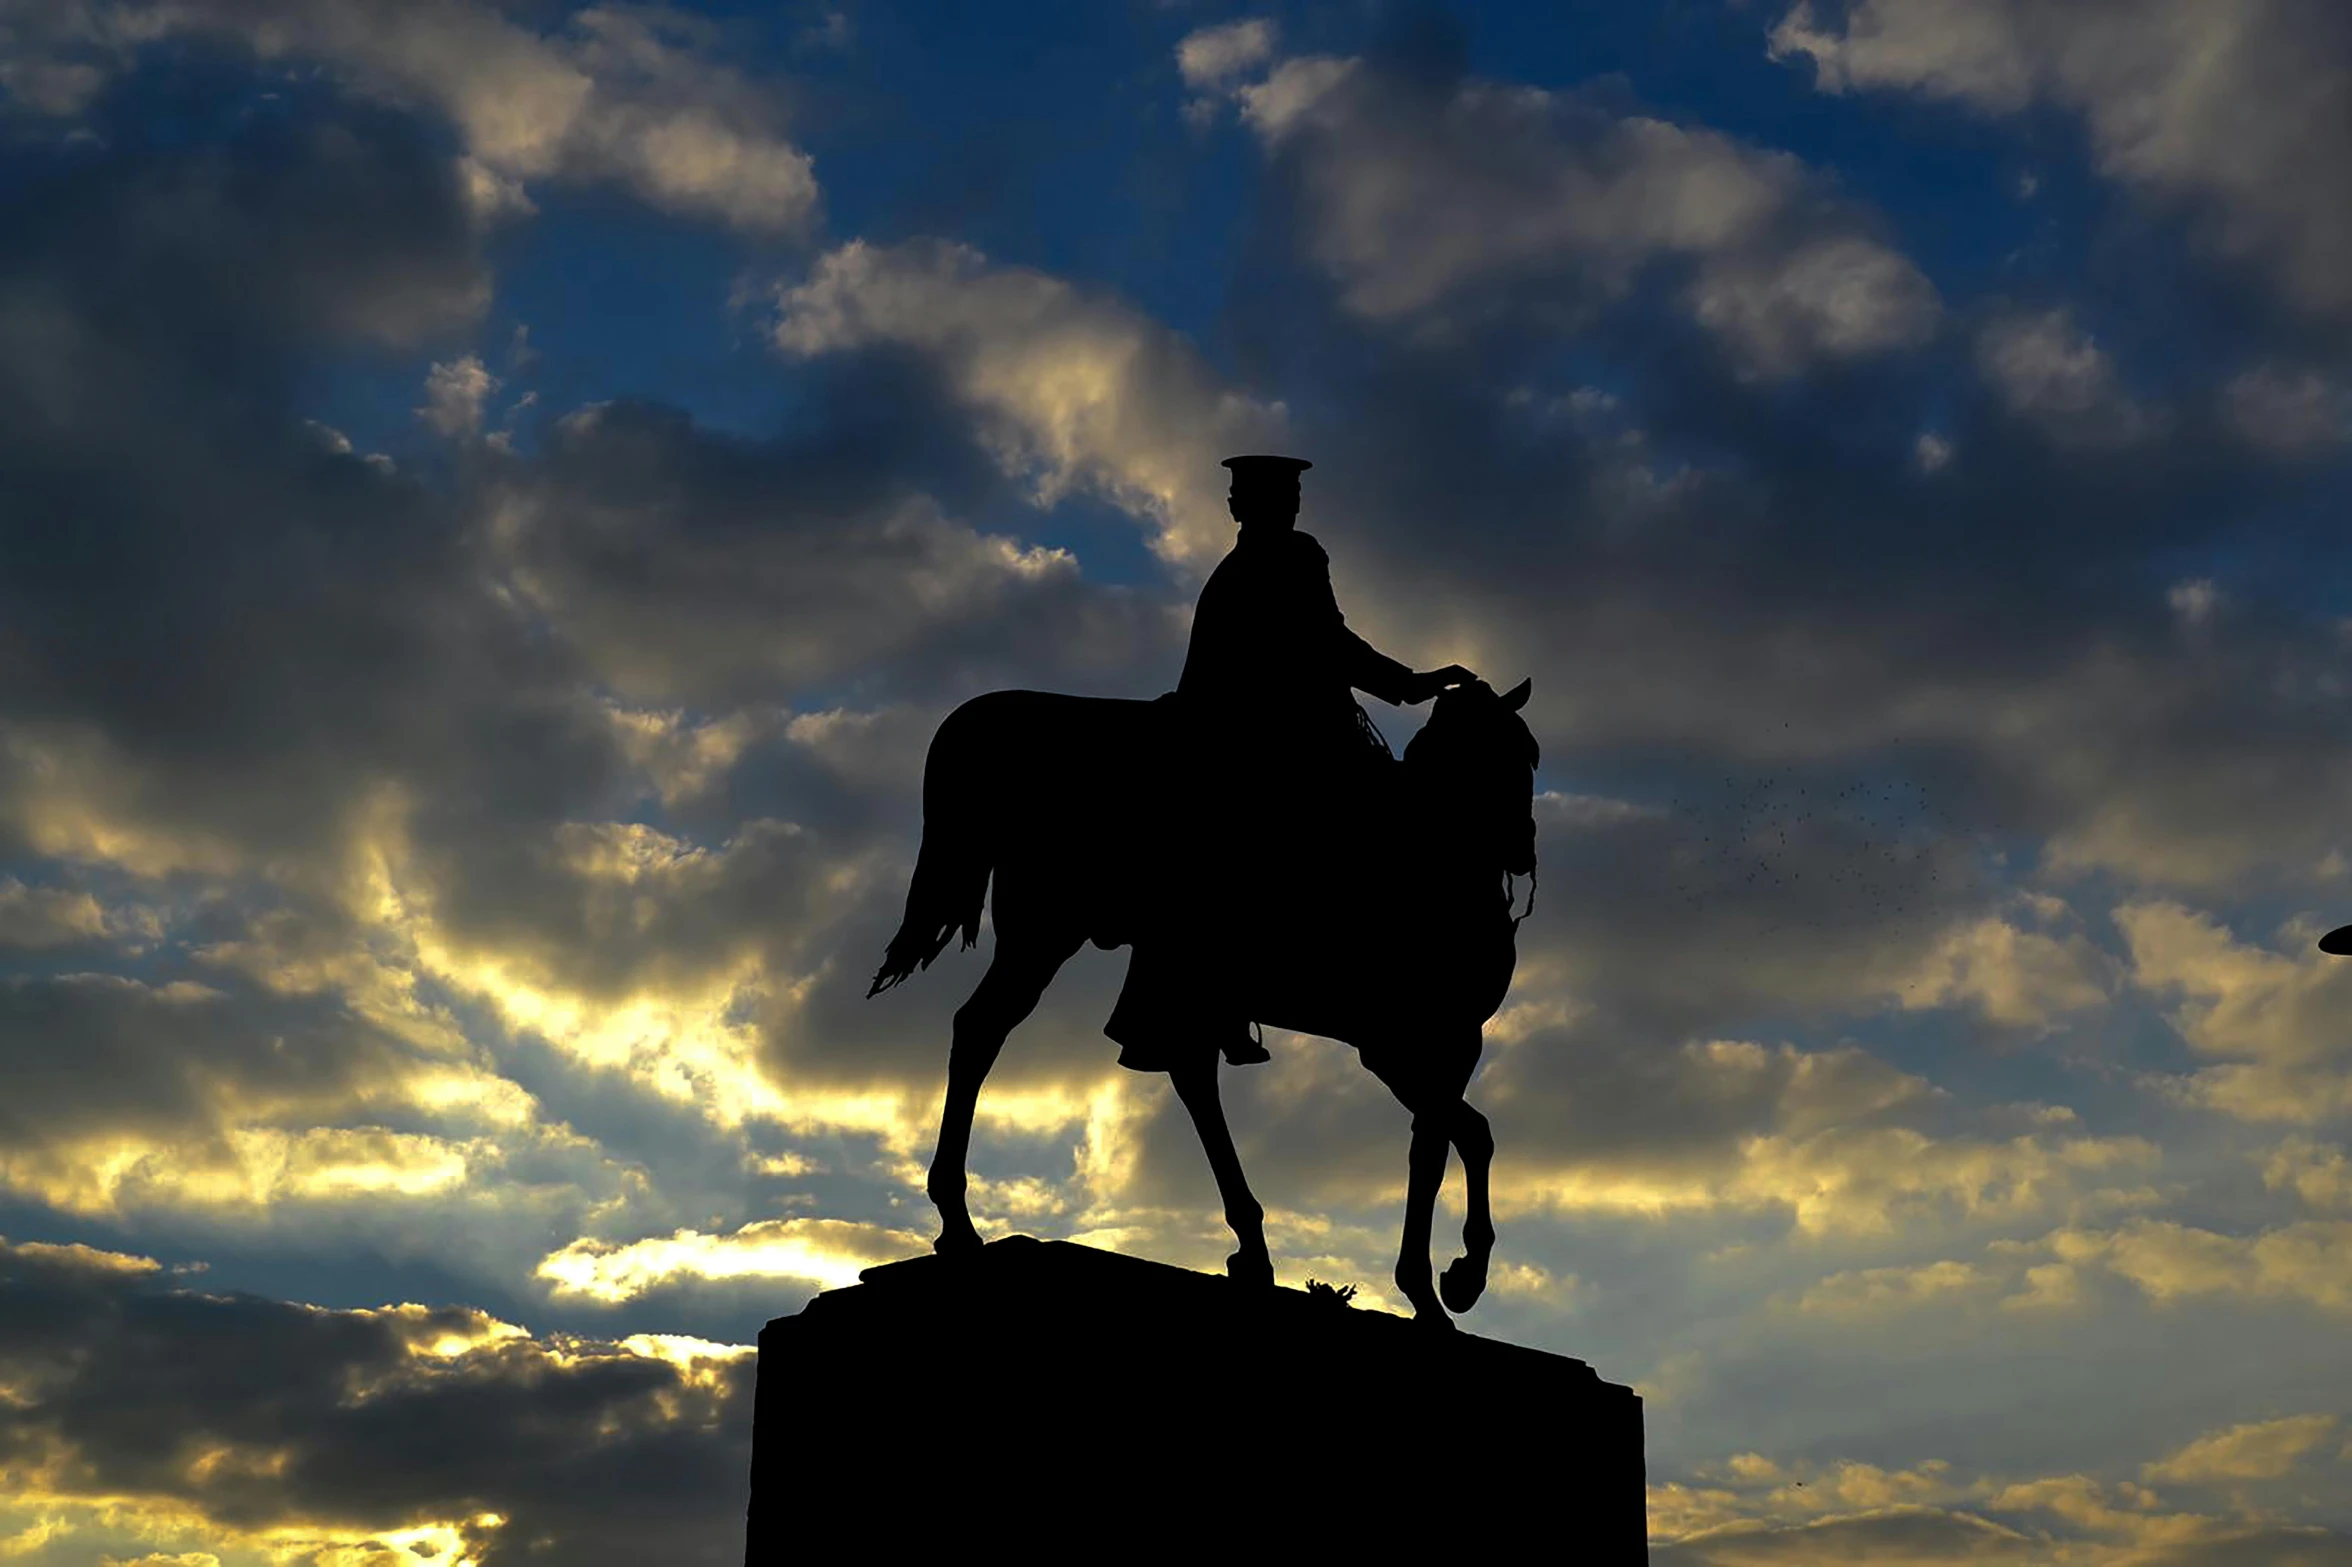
(951, 868)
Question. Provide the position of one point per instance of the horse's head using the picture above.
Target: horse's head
(1475, 764)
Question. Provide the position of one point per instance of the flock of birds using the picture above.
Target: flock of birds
(1874, 850)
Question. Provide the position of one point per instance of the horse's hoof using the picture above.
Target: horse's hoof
(1256, 1271)
(957, 1243)
(1433, 1319)
(1460, 1285)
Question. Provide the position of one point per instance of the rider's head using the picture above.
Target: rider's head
(1265, 490)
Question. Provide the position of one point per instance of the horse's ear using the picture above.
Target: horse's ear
(1516, 698)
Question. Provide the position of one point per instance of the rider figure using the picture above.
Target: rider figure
(1266, 685)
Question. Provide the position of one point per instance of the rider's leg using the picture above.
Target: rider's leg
(1144, 1021)
(1177, 996)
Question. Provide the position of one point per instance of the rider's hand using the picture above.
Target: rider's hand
(1428, 685)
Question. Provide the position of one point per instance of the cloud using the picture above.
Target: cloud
(2017, 978)
(454, 396)
(1752, 1509)
(686, 566)
(1213, 56)
(2273, 1019)
(2318, 1173)
(1912, 1537)
(2264, 1450)
(391, 716)
(1866, 1291)
(1423, 200)
(2292, 413)
(48, 916)
(2305, 1260)
(633, 95)
(128, 1093)
(2232, 109)
(1829, 1142)
(2196, 601)
(1836, 298)
(824, 1253)
(167, 436)
(2049, 371)
(140, 1410)
(1070, 390)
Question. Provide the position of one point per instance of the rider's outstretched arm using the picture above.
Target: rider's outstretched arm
(1367, 668)
(1373, 672)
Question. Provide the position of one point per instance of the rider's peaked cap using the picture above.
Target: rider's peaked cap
(1261, 467)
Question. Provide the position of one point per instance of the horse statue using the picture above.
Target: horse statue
(1053, 795)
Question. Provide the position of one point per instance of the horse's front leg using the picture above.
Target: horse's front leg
(1425, 1172)
(1196, 1085)
(1464, 1279)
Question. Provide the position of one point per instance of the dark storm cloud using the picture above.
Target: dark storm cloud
(2001, 543)
(283, 1095)
(606, 912)
(693, 568)
(229, 647)
(1995, 546)
(87, 1055)
(1721, 903)
(305, 705)
(219, 630)
(357, 1421)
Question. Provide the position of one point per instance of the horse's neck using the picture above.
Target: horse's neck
(1450, 860)
(1452, 855)
(1457, 881)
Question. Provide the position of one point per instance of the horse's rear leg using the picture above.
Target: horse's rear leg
(1008, 992)
(1196, 1085)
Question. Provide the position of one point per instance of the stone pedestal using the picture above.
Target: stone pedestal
(1050, 1402)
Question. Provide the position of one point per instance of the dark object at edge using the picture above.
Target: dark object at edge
(1049, 1402)
(2337, 942)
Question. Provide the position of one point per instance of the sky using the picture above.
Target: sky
(494, 500)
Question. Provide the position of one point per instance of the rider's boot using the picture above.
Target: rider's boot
(1242, 1045)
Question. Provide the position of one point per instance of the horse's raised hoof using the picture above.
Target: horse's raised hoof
(1460, 1285)
(1254, 1269)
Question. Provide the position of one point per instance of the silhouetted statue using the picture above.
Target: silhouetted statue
(1287, 770)
(1270, 861)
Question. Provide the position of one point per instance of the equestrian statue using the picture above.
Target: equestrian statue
(1251, 836)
